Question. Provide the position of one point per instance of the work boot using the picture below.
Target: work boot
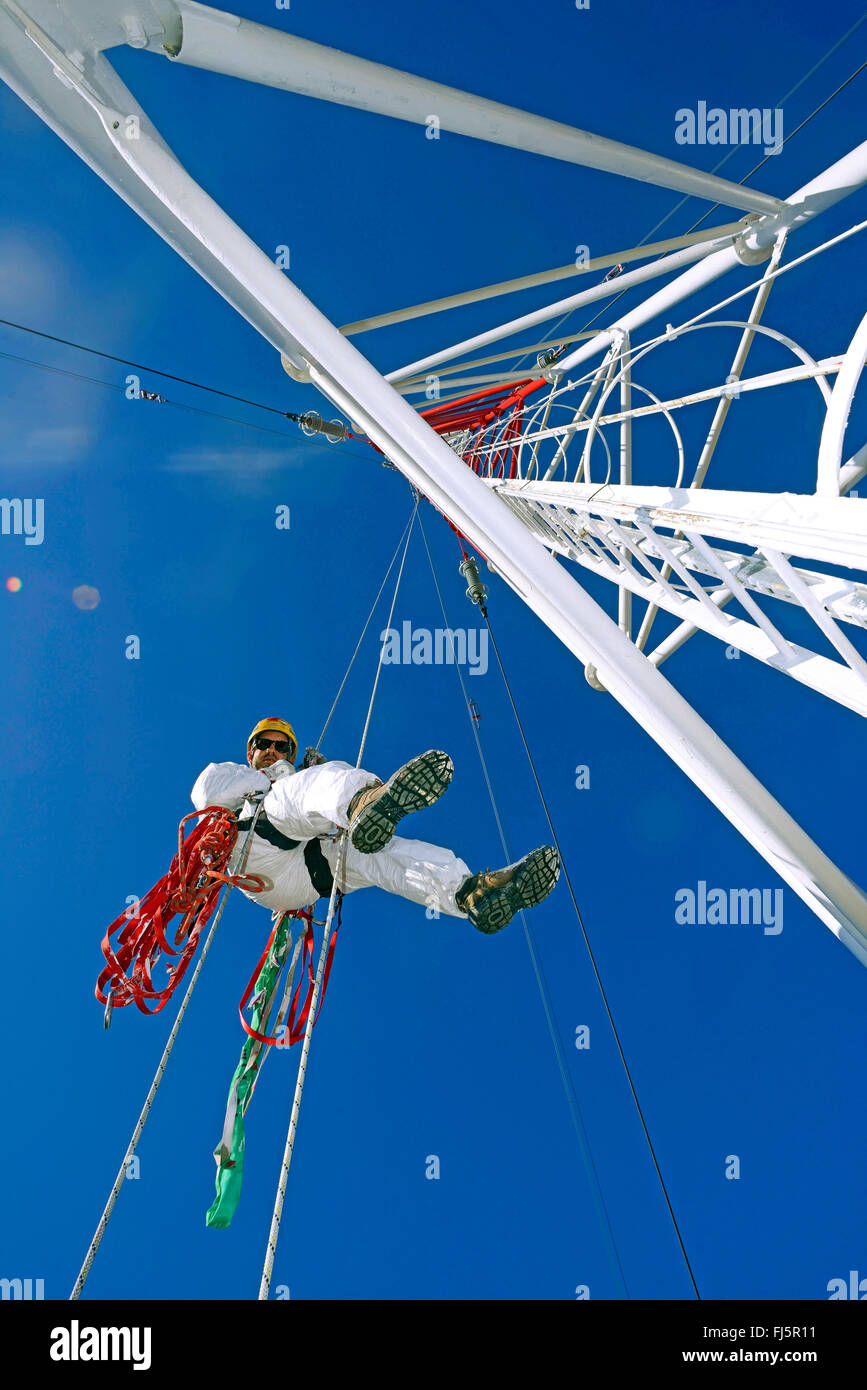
(374, 813)
(490, 900)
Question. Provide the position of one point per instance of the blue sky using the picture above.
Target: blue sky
(433, 1039)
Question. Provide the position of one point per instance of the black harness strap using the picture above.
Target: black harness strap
(269, 832)
(317, 865)
(318, 868)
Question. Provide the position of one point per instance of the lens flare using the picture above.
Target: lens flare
(85, 596)
(13, 584)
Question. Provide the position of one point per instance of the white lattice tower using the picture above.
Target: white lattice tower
(662, 543)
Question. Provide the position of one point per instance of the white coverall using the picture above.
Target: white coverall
(305, 805)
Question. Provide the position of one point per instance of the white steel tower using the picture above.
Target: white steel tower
(535, 486)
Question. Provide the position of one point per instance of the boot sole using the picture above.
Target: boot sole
(413, 787)
(530, 885)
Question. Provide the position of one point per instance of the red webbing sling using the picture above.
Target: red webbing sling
(294, 1028)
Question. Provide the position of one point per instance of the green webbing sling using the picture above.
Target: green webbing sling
(229, 1153)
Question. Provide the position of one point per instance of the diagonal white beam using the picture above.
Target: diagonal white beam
(605, 290)
(224, 43)
(154, 181)
(829, 187)
(526, 350)
(414, 388)
(817, 611)
(844, 599)
(542, 277)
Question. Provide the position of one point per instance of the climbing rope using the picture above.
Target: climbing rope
(604, 997)
(260, 996)
(598, 977)
(274, 1232)
(364, 629)
(163, 1062)
(271, 1248)
(535, 958)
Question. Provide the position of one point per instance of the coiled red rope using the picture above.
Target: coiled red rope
(190, 888)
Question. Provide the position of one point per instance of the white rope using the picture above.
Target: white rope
(274, 1232)
(388, 625)
(364, 630)
(158, 1076)
(271, 1249)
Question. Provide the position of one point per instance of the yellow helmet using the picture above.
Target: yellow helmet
(277, 726)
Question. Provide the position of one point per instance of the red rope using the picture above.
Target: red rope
(191, 887)
(480, 412)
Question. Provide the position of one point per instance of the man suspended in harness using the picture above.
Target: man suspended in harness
(295, 847)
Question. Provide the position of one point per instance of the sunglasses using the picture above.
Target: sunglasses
(279, 745)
